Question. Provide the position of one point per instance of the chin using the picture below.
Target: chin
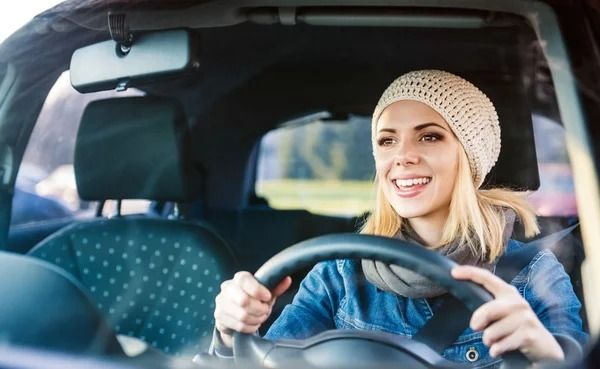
(408, 212)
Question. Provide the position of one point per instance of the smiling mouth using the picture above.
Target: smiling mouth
(412, 187)
(407, 184)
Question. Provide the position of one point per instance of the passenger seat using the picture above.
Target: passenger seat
(154, 278)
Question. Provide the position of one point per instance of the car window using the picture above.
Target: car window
(556, 195)
(45, 187)
(326, 167)
(321, 165)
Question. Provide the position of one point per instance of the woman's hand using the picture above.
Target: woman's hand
(244, 304)
(508, 322)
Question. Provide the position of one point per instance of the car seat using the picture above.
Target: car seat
(48, 310)
(154, 278)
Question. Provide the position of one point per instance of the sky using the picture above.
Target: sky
(14, 14)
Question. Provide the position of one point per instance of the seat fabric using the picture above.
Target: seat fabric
(154, 279)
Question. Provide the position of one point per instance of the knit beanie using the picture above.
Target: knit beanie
(468, 111)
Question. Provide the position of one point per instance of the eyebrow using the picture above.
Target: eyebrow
(417, 128)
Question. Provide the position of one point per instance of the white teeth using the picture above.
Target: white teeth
(411, 182)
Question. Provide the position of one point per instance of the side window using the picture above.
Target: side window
(556, 195)
(327, 167)
(45, 187)
(318, 164)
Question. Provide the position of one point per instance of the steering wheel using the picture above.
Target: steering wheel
(353, 348)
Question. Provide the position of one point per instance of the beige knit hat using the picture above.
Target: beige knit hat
(468, 111)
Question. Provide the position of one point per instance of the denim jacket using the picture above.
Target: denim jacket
(336, 295)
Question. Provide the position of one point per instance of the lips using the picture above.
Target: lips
(410, 187)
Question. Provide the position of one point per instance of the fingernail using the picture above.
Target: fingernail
(493, 352)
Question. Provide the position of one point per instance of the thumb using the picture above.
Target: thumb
(281, 287)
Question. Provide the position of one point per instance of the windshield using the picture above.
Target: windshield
(155, 155)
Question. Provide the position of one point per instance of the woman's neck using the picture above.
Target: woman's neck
(429, 229)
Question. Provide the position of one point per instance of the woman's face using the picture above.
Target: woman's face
(416, 158)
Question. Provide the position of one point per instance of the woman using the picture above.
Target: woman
(435, 137)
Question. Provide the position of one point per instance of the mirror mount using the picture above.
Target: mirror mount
(120, 33)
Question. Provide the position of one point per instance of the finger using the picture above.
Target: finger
(250, 285)
(511, 342)
(500, 329)
(498, 309)
(243, 316)
(481, 276)
(282, 286)
(228, 322)
(488, 313)
(231, 312)
(234, 295)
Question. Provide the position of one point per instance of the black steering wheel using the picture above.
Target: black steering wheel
(352, 348)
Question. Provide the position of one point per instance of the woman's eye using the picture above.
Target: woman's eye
(385, 141)
(430, 137)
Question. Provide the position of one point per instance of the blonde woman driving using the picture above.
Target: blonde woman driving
(435, 137)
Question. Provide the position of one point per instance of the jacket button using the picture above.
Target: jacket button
(472, 355)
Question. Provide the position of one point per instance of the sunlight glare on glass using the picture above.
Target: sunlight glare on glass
(13, 14)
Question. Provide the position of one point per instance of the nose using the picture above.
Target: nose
(406, 154)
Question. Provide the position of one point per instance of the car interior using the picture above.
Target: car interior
(151, 276)
(190, 145)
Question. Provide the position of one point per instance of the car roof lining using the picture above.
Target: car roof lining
(144, 15)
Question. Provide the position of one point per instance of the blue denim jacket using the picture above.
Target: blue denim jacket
(336, 295)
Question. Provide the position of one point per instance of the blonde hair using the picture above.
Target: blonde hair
(476, 217)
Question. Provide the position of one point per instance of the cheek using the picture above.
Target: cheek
(447, 170)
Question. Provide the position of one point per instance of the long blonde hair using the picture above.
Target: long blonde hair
(476, 217)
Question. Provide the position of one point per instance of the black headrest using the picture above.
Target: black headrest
(134, 148)
(517, 165)
(44, 307)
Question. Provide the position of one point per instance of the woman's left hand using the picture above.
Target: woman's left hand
(508, 322)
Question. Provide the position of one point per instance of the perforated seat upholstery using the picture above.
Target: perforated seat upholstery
(154, 278)
(148, 276)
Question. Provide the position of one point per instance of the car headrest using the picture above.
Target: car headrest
(517, 165)
(44, 307)
(134, 148)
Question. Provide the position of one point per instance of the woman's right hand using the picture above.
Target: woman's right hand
(244, 304)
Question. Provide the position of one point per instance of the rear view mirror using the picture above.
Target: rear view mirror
(152, 57)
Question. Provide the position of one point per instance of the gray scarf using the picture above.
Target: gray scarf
(404, 282)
